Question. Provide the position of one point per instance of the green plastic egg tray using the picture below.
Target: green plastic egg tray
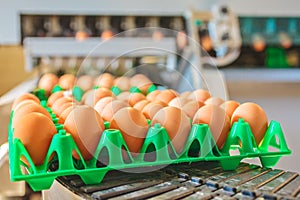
(200, 146)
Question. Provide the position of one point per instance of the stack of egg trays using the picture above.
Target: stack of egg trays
(200, 146)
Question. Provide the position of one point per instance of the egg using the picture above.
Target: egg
(255, 116)
(53, 97)
(177, 124)
(102, 103)
(229, 107)
(85, 82)
(124, 96)
(135, 98)
(133, 130)
(199, 95)
(152, 95)
(191, 107)
(101, 93)
(161, 103)
(88, 97)
(141, 81)
(178, 102)
(86, 127)
(92, 96)
(218, 121)
(35, 131)
(47, 82)
(123, 83)
(111, 108)
(151, 109)
(63, 107)
(25, 102)
(185, 95)
(141, 104)
(67, 81)
(23, 97)
(26, 108)
(64, 114)
(105, 80)
(58, 103)
(166, 96)
(214, 100)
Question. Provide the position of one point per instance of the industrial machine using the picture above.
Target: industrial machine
(204, 180)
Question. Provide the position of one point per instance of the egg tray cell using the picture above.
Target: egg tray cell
(157, 150)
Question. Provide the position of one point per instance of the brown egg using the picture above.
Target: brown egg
(124, 96)
(151, 109)
(200, 95)
(178, 102)
(102, 103)
(111, 108)
(23, 97)
(135, 97)
(229, 107)
(185, 95)
(255, 116)
(63, 116)
(161, 103)
(85, 82)
(26, 108)
(191, 107)
(53, 97)
(59, 102)
(141, 81)
(176, 123)
(152, 95)
(141, 104)
(63, 107)
(92, 96)
(88, 97)
(123, 83)
(102, 92)
(47, 82)
(67, 81)
(215, 101)
(134, 129)
(218, 121)
(86, 127)
(166, 96)
(105, 80)
(25, 102)
(35, 131)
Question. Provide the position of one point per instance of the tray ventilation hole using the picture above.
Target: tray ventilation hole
(235, 150)
(194, 150)
(125, 155)
(103, 158)
(53, 161)
(25, 169)
(150, 155)
(275, 148)
(172, 153)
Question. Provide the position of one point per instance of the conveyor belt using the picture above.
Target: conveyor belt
(202, 180)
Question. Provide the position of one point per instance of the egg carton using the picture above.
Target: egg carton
(157, 150)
